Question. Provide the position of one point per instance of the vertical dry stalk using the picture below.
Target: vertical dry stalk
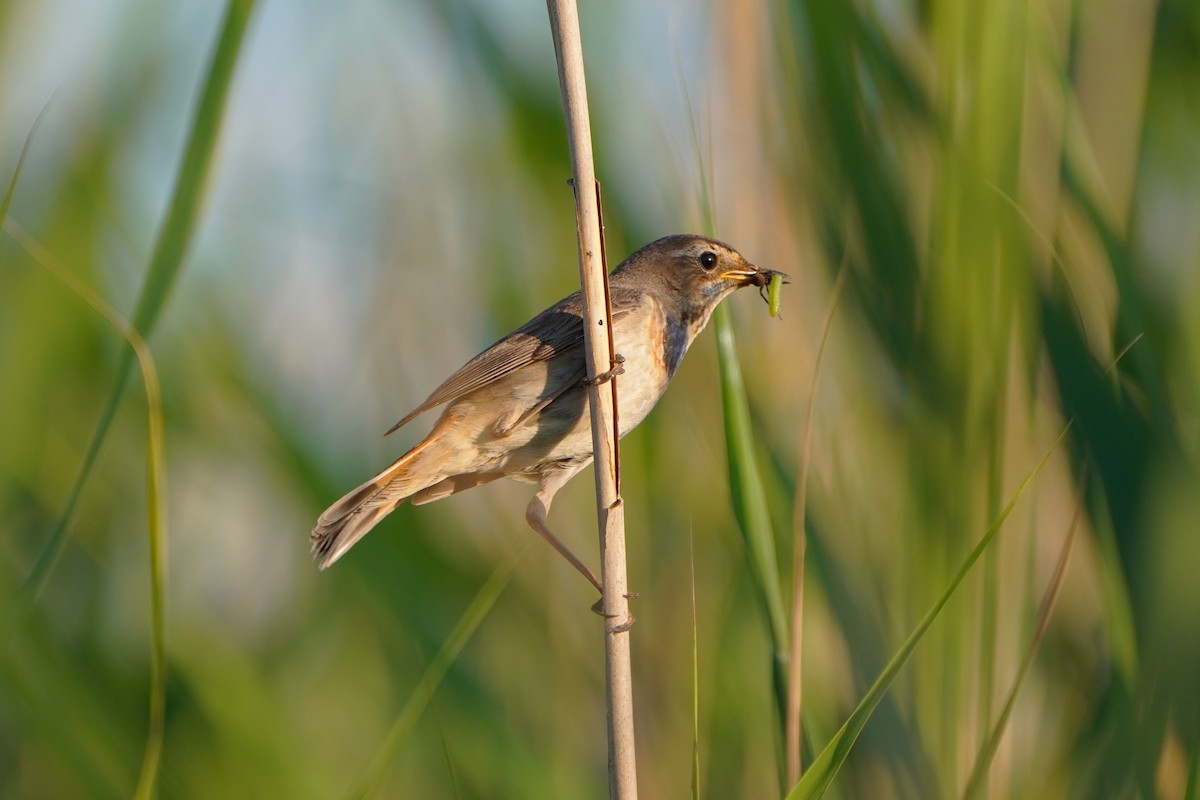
(568, 47)
(793, 730)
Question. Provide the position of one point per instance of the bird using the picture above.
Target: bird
(519, 409)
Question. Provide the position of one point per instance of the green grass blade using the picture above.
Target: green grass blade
(156, 518)
(156, 514)
(825, 767)
(988, 751)
(793, 723)
(695, 679)
(195, 170)
(6, 202)
(746, 488)
(373, 775)
(170, 248)
(750, 499)
(1192, 792)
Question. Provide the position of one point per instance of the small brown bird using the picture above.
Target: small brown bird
(519, 408)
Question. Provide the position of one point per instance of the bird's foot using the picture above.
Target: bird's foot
(618, 368)
(598, 608)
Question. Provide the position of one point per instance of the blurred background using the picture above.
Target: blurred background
(1012, 191)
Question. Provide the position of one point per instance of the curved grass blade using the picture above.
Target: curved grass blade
(174, 237)
(372, 776)
(695, 676)
(793, 730)
(6, 202)
(825, 767)
(746, 489)
(988, 751)
(750, 498)
(156, 505)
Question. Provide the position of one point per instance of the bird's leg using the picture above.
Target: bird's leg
(535, 515)
(618, 368)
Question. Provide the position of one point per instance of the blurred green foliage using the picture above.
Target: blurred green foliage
(1014, 188)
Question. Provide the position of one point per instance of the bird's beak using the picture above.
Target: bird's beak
(755, 276)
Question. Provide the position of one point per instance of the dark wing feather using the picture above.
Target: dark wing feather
(555, 330)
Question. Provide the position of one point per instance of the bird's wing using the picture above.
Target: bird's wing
(554, 331)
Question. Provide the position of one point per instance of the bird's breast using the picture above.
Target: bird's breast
(642, 337)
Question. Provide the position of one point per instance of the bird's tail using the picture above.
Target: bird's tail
(360, 510)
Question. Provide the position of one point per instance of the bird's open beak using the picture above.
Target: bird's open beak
(756, 276)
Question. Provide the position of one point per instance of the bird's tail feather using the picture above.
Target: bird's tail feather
(361, 509)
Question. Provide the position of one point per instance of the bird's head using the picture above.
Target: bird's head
(692, 273)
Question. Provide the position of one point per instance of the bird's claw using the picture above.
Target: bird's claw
(618, 368)
(598, 608)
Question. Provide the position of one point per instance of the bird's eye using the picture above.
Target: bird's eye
(708, 259)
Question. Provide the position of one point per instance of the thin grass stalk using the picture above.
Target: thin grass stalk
(602, 399)
(170, 248)
(156, 502)
(989, 611)
(6, 201)
(987, 752)
(373, 774)
(695, 676)
(826, 765)
(156, 515)
(174, 238)
(749, 498)
(746, 489)
(794, 730)
(709, 217)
